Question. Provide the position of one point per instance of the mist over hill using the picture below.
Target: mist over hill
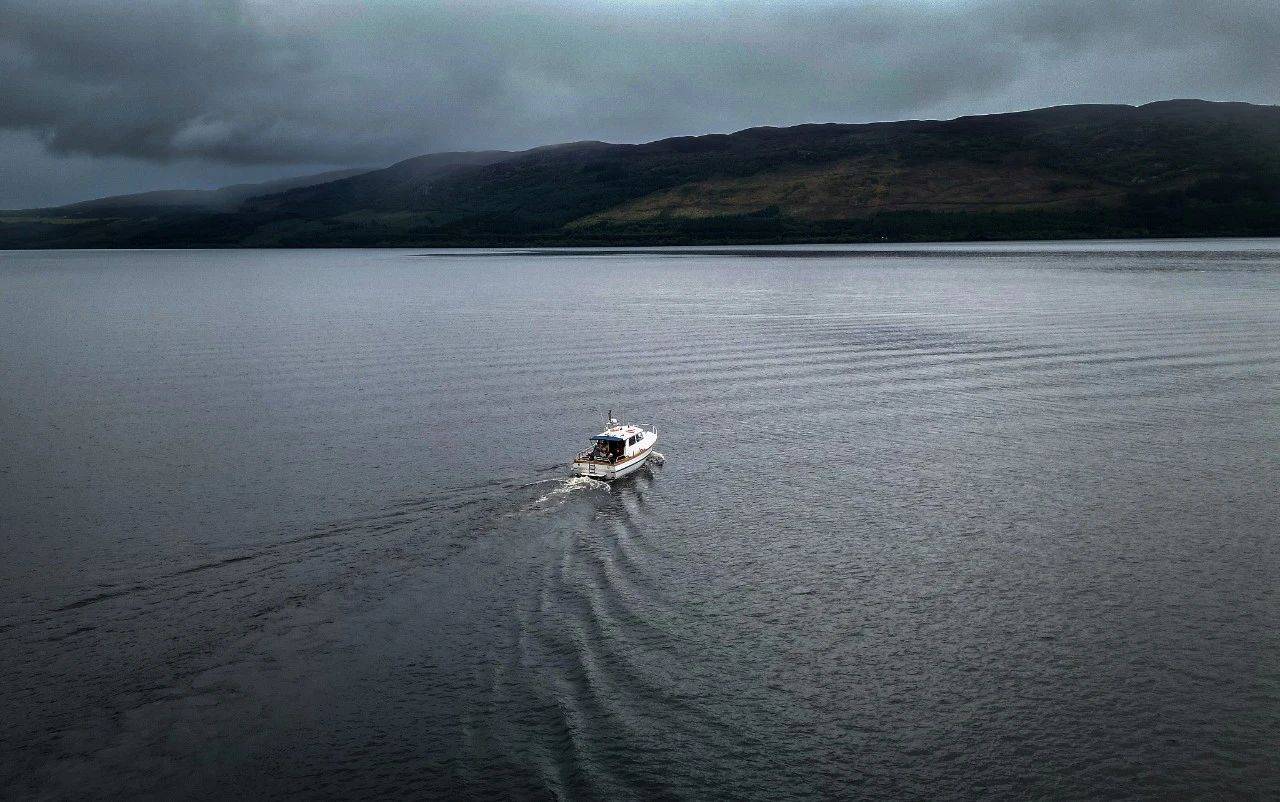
(1173, 168)
(224, 199)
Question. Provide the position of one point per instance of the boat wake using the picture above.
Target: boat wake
(564, 490)
(656, 458)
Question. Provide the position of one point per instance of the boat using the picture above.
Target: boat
(619, 450)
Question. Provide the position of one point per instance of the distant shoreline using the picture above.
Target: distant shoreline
(960, 248)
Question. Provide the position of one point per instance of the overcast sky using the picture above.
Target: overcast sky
(100, 97)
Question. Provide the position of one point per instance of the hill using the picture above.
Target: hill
(223, 199)
(1173, 168)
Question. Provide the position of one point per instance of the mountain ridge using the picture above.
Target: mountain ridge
(1169, 168)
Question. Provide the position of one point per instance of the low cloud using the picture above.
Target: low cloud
(238, 82)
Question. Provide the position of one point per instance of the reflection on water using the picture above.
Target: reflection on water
(938, 521)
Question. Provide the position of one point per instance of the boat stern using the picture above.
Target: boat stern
(594, 470)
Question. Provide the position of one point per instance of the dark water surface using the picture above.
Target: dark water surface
(996, 521)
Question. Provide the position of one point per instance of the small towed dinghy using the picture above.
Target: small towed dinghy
(617, 451)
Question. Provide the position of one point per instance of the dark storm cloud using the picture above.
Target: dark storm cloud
(240, 82)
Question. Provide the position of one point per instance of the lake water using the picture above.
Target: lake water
(932, 521)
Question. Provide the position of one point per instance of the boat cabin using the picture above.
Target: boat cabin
(615, 443)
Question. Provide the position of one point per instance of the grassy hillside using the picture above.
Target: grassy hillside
(1176, 168)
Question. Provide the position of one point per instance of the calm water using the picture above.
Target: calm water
(932, 522)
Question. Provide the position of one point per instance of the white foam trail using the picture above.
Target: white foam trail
(571, 485)
(656, 457)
